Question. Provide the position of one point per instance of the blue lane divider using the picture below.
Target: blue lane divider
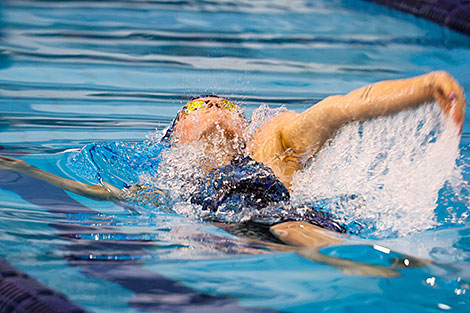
(22, 294)
(153, 292)
(454, 14)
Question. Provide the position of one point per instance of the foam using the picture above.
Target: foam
(392, 175)
(385, 173)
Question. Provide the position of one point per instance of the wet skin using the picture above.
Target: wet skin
(288, 141)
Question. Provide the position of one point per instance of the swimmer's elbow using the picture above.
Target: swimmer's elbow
(327, 115)
(307, 133)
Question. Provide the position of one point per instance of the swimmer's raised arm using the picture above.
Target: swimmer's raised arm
(290, 138)
(110, 193)
(308, 131)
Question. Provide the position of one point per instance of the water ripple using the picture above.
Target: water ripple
(202, 63)
(226, 38)
(268, 6)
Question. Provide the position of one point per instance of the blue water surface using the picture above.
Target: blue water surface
(78, 78)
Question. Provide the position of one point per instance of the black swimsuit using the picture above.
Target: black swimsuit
(247, 184)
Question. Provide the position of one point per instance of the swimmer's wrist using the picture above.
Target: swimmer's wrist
(438, 79)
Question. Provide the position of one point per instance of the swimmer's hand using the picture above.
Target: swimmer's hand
(449, 95)
(110, 193)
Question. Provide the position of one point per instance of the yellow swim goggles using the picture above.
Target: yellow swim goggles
(197, 104)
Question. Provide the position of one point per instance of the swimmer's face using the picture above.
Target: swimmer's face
(209, 117)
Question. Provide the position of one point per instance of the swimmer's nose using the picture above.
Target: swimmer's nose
(213, 102)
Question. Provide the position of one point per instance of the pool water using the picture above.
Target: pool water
(110, 76)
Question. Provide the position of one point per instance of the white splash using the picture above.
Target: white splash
(180, 171)
(385, 173)
(261, 116)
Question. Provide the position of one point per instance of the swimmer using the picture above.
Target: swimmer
(283, 145)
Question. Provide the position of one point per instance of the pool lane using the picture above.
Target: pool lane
(153, 292)
(22, 294)
(454, 14)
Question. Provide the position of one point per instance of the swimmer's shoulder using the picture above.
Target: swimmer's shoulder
(268, 146)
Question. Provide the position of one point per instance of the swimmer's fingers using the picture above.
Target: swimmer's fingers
(450, 96)
(410, 262)
(140, 187)
(7, 163)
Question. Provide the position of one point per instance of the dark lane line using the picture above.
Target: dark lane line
(153, 292)
(22, 294)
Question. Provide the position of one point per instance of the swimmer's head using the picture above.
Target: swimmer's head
(207, 116)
